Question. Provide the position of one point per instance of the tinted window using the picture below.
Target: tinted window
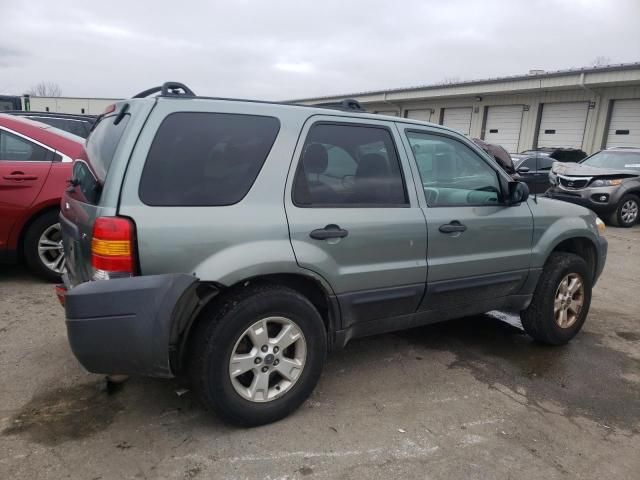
(13, 147)
(86, 188)
(206, 159)
(349, 165)
(545, 163)
(452, 173)
(529, 163)
(102, 144)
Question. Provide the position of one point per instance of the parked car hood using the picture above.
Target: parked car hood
(579, 170)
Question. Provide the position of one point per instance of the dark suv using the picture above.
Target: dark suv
(607, 182)
(236, 242)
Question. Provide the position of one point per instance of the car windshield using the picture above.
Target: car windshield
(614, 159)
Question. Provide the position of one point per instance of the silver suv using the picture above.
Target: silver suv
(607, 182)
(236, 242)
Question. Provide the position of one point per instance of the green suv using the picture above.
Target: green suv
(234, 243)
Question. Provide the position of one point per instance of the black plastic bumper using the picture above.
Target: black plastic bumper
(123, 326)
(597, 207)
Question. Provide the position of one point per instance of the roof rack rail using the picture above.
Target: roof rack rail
(168, 89)
(348, 104)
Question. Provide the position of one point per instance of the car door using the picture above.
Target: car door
(24, 166)
(479, 247)
(353, 220)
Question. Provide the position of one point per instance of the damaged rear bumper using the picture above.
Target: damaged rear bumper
(124, 326)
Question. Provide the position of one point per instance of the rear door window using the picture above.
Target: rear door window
(13, 147)
(349, 166)
(206, 159)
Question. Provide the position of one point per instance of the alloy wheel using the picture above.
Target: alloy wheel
(569, 300)
(268, 359)
(50, 249)
(629, 211)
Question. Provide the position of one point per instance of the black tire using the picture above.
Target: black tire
(30, 245)
(539, 319)
(616, 217)
(221, 326)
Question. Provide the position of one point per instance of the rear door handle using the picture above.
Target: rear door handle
(18, 177)
(452, 227)
(330, 231)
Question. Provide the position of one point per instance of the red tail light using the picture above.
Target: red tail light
(112, 247)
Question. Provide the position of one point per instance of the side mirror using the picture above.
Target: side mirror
(523, 169)
(518, 192)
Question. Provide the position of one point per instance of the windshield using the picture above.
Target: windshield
(614, 159)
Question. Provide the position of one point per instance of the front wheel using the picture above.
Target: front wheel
(561, 300)
(626, 213)
(257, 356)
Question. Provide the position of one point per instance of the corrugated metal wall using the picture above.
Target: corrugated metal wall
(596, 128)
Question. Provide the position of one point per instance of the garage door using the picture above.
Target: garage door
(458, 118)
(624, 128)
(424, 115)
(503, 126)
(562, 124)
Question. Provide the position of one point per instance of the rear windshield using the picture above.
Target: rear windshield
(206, 159)
(102, 144)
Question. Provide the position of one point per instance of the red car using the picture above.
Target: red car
(35, 164)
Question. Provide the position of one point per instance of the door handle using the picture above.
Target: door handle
(330, 231)
(452, 227)
(18, 177)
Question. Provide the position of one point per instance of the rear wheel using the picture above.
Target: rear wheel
(627, 211)
(43, 250)
(257, 356)
(561, 300)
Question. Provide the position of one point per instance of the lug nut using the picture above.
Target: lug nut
(276, 349)
(264, 348)
(264, 369)
(258, 360)
(276, 361)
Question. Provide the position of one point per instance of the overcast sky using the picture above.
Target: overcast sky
(295, 49)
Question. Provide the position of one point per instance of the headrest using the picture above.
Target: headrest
(372, 165)
(315, 158)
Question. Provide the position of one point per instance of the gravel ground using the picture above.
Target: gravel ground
(472, 398)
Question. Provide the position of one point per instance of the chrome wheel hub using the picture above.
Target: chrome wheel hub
(569, 300)
(50, 249)
(629, 211)
(267, 360)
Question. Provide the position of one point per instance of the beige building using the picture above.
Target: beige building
(587, 108)
(88, 106)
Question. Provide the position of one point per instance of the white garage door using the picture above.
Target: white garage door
(562, 124)
(624, 128)
(458, 118)
(422, 115)
(503, 126)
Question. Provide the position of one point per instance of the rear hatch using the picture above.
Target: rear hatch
(94, 187)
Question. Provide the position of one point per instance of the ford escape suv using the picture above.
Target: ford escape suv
(234, 243)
